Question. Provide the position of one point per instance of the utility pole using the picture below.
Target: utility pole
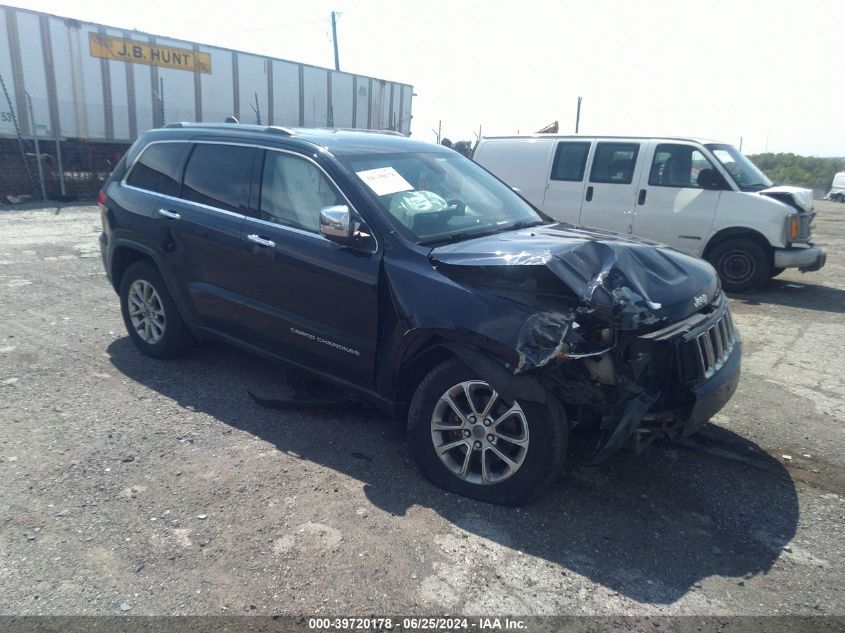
(578, 116)
(334, 40)
(740, 144)
(438, 131)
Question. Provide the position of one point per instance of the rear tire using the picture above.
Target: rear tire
(150, 314)
(742, 264)
(533, 436)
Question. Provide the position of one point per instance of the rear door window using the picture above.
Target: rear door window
(159, 168)
(614, 163)
(570, 160)
(217, 176)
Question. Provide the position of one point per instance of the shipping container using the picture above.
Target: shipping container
(98, 83)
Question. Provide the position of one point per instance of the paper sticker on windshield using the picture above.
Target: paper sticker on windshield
(384, 181)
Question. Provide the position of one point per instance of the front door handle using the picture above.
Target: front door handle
(169, 214)
(260, 240)
(589, 193)
(641, 197)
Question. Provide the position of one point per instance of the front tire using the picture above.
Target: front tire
(150, 314)
(471, 441)
(742, 264)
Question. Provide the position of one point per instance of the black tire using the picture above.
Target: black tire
(543, 459)
(742, 263)
(175, 338)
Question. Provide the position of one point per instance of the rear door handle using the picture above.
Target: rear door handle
(641, 197)
(260, 240)
(169, 214)
(589, 193)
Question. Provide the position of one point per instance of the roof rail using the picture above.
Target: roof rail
(278, 129)
(369, 131)
(275, 129)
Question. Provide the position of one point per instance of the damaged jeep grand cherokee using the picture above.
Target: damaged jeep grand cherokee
(413, 279)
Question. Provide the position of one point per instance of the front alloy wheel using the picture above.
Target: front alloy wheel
(478, 436)
(470, 439)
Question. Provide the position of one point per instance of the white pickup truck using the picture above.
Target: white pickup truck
(706, 199)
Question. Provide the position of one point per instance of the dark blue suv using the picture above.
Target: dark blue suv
(411, 278)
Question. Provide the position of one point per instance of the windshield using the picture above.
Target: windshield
(439, 197)
(745, 173)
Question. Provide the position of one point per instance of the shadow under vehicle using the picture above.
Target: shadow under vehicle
(649, 527)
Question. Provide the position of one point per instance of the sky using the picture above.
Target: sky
(766, 74)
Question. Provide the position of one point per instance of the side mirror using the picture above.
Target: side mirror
(336, 223)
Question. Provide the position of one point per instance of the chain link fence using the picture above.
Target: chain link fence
(85, 166)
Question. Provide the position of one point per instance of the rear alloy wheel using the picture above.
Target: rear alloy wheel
(150, 314)
(146, 311)
(469, 439)
(742, 264)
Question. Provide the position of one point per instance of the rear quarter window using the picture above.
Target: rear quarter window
(158, 169)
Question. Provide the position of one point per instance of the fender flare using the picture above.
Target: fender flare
(123, 242)
(511, 386)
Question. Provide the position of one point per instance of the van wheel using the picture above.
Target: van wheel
(150, 314)
(742, 264)
(470, 440)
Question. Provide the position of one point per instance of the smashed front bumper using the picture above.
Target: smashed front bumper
(706, 351)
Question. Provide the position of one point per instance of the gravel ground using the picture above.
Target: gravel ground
(131, 485)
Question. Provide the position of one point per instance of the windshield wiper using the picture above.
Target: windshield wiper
(452, 237)
(522, 224)
(463, 235)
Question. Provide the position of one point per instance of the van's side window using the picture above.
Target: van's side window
(570, 161)
(293, 190)
(677, 166)
(158, 168)
(614, 163)
(217, 174)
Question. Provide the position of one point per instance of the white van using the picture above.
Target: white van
(703, 198)
(837, 188)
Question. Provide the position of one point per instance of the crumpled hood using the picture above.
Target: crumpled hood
(631, 281)
(803, 198)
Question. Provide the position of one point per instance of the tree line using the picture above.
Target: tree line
(800, 171)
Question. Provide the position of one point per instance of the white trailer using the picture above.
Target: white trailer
(97, 83)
